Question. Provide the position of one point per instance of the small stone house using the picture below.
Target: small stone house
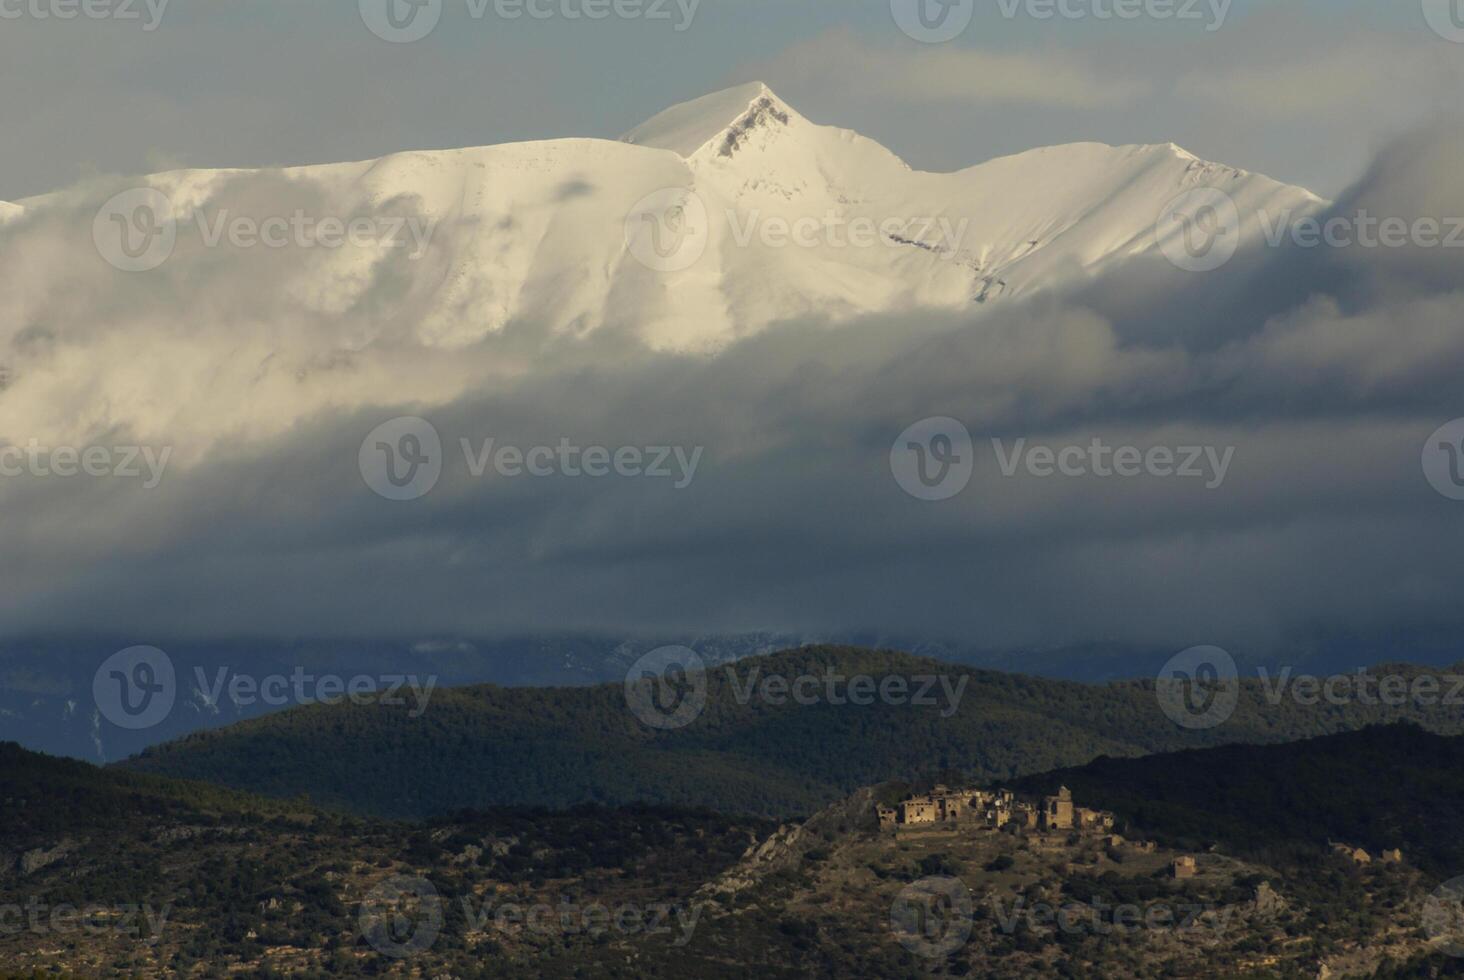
(1096, 820)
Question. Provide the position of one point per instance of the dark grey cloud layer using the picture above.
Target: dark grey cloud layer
(1325, 369)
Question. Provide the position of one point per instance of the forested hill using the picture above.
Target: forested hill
(487, 745)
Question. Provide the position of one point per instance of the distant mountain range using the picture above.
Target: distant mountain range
(47, 703)
(744, 752)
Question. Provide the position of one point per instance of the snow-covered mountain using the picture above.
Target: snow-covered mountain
(706, 224)
(724, 214)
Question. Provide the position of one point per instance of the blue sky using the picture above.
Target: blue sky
(1304, 90)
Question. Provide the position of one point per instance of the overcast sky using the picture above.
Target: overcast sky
(1304, 90)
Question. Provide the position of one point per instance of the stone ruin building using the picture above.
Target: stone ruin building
(994, 810)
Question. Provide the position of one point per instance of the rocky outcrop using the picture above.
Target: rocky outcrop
(1268, 902)
(789, 845)
(34, 860)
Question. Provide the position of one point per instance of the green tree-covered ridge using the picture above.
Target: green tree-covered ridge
(487, 745)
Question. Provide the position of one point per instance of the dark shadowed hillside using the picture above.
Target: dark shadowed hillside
(1378, 788)
(106, 873)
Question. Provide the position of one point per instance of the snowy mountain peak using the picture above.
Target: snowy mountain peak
(717, 123)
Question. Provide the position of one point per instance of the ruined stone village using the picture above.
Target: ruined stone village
(1000, 809)
(995, 810)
